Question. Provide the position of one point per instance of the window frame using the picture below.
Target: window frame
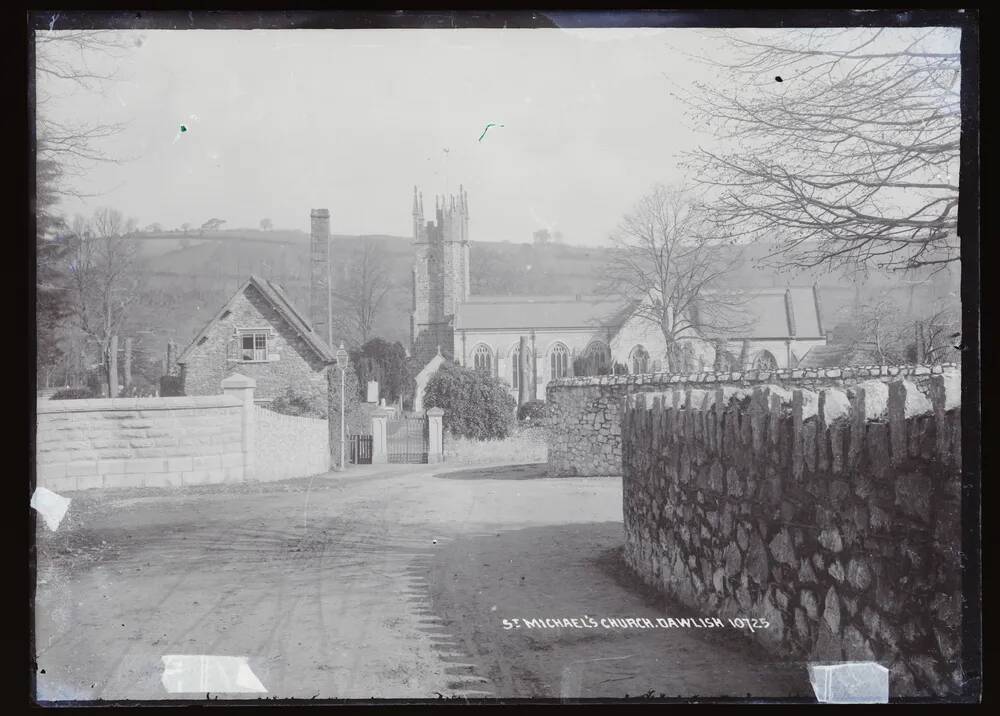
(260, 355)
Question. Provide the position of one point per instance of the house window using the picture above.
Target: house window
(482, 358)
(558, 361)
(253, 347)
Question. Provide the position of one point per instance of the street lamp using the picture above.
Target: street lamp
(342, 364)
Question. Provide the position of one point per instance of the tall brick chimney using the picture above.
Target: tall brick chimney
(319, 274)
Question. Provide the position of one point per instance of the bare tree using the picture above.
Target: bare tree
(104, 280)
(666, 265)
(68, 60)
(841, 143)
(266, 225)
(938, 336)
(361, 292)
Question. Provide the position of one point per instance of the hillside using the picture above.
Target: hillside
(188, 277)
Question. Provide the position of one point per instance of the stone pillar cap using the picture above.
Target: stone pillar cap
(435, 411)
(238, 380)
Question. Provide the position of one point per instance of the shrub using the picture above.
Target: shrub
(384, 362)
(293, 403)
(532, 411)
(171, 386)
(73, 394)
(476, 404)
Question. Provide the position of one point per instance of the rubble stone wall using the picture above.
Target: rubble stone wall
(583, 421)
(832, 515)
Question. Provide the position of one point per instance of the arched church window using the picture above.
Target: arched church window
(558, 361)
(597, 359)
(765, 360)
(482, 358)
(639, 360)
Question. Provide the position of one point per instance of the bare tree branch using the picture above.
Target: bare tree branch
(851, 159)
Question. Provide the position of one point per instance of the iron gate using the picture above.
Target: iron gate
(361, 449)
(406, 439)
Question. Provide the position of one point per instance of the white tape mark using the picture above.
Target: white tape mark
(50, 506)
(203, 673)
(858, 682)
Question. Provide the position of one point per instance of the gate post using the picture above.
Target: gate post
(435, 447)
(380, 448)
(242, 388)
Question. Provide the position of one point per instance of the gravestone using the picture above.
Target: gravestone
(372, 391)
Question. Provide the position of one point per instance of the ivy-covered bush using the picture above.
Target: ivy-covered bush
(74, 394)
(476, 404)
(532, 411)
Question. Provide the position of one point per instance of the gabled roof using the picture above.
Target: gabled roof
(514, 312)
(283, 305)
(768, 313)
(758, 313)
(839, 356)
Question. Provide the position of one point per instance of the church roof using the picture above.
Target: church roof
(274, 294)
(759, 313)
(526, 312)
(770, 313)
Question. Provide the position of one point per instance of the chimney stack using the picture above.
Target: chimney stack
(319, 274)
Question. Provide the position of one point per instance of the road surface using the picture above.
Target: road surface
(386, 582)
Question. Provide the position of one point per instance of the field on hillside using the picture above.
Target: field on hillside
(188, 277)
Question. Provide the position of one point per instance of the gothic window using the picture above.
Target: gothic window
(482, 358)
(596, 359)
(639, 360)
(558, 361)
(765, 361)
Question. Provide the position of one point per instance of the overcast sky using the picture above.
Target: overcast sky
(282, 121)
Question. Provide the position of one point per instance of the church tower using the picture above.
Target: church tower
(440, 272)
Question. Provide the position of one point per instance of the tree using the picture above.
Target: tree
(185, 227)
(266, 225)
(844, 144)
(64, 150)
(104, 281)
(52, 297)
(384, 362)
(476, 404)
(365, 284)
(154, 228)
(212, 224)
(541, 237)
(665, 266)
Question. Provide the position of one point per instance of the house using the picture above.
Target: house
(582, 335)
(260, 334)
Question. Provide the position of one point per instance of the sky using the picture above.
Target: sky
(282, 121)
(578, 125)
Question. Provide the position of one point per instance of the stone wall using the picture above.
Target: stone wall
(290, 446)
(159, 442)
(833, 516)
(126, 442)
(583, 413)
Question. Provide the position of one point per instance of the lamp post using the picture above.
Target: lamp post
(342, 364)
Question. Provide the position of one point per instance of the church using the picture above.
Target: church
(568, 336)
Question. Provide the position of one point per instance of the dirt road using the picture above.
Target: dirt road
(382, 582)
